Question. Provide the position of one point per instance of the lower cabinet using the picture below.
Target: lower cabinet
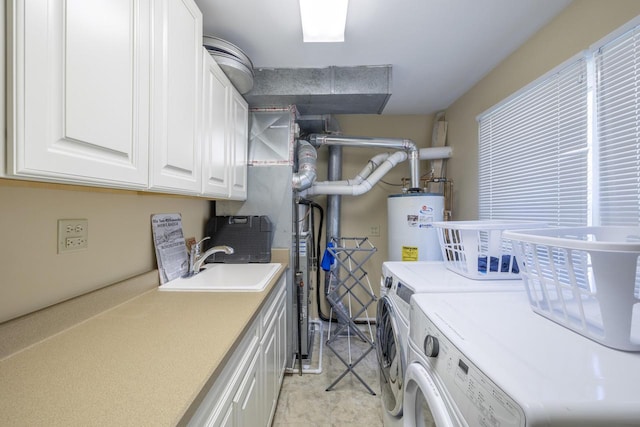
(247, 402)
(246, 392)
(282, 342)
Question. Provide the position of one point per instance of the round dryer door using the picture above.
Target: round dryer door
(424, 403)
(390, 358)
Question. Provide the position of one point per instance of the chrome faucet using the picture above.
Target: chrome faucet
(196, 259)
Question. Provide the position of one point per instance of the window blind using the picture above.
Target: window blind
(618, 117)
(534, 152)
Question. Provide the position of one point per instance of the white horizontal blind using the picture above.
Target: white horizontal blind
(618, 113)
(533, 159)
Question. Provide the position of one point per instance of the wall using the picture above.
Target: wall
(362, 213)
(34, 276)
(581, 24)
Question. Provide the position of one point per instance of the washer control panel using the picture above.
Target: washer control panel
(476, 397)
(397, 290)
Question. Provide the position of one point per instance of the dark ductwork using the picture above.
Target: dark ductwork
(330, 90)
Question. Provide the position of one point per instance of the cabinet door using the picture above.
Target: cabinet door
(224, 416)
(270, 368)
(282, 340)
(240, 136)
(227, 420)
(219, 407)
(215, 136)
(79, 98)
(248, 402)
(176, 96)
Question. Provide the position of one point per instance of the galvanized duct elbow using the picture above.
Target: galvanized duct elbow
(307, 159)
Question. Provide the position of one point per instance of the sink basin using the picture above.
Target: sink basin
(226, 278)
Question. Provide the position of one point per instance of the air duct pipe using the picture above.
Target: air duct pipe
(306, 175)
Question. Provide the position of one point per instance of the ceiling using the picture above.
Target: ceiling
(438, 49)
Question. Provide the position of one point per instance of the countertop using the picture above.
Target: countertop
(142, 362)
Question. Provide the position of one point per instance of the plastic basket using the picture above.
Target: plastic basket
(476, 249)
(586, 279)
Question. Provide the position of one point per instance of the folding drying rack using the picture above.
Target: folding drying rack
(350, 254)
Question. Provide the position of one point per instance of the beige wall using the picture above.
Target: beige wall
(361, 213)
(581, 24)
(33, 275)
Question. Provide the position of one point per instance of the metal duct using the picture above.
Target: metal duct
(306, 175)
(334, 201)
(330, 90)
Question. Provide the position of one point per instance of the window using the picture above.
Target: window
(566, 149)
(533, 152)
(618, 112)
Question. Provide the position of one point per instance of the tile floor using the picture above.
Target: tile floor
(304, 400)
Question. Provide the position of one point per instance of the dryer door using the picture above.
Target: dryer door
(390, 357)
(424, 403)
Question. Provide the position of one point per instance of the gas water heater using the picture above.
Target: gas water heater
(412, 236)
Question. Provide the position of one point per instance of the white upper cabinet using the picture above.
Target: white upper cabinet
(79, 91)
(225, 135)
(118, 93)
(216, 152)
(240, 136)
(176, 97)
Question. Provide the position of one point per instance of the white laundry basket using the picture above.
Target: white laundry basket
(586, 279)
(477, 250)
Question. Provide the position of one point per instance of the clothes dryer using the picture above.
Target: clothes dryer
(399, 281)
(487, 359)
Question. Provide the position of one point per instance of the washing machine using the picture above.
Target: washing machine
(487, 359)
(399, 281)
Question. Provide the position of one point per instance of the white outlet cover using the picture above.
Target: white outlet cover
(76, 229)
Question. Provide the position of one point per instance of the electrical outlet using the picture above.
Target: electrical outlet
(73, 235)
(374, 231)
(75, 243)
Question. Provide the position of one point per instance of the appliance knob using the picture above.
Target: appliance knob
(431, 346)
(388, 281)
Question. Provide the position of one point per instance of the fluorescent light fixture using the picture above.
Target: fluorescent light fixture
(323, 20)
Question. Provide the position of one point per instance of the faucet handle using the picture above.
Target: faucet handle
(202, 240)
(195, 249)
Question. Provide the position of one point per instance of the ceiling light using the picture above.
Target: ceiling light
(323, 20)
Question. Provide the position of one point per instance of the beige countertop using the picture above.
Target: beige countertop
(142, 362)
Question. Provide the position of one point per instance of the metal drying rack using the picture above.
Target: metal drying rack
(350, 254)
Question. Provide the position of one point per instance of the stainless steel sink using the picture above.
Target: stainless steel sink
(226, 278)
